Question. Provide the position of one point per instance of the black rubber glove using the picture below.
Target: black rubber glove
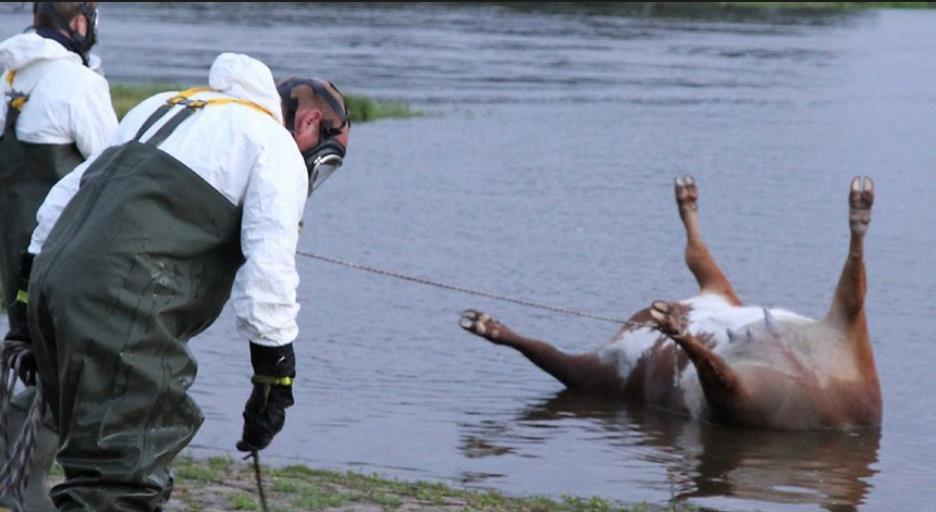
(265, 412)
(19, 328)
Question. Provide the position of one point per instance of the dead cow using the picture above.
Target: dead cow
(735, 364)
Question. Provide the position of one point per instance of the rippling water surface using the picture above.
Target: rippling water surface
(543, 171)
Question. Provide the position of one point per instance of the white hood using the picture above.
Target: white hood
(243, 77)
(22, 50)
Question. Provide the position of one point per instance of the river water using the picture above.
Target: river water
(543, 171)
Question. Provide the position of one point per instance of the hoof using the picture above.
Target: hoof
(687, 194)
(481, 324)
(860, 200)
(669, 318)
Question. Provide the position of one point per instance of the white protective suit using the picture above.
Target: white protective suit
(253, 161)
(67, 101)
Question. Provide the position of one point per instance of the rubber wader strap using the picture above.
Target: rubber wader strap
(184, 98)
(15, 103)
(166, 130)
(9, 126)
(161, 111)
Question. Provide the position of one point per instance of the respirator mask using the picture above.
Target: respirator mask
(323, 159)
(80, 44)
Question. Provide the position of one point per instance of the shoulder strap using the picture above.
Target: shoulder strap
(14, 103)
(9, 124)
(151, 120)
(166, 130)
(184, 98)
(17, 98)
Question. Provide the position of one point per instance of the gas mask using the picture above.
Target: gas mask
(90, 38)
(74, 42)
(323, 159)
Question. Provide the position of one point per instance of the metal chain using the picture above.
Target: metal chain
(469, 291)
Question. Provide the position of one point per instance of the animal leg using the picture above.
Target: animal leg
(583, 372)
(848, 304)
(720, 383)
(700, 262)
(847, 311)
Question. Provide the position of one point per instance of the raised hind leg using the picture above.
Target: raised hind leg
(847, 311)
(700, 262)
(583, 372)
(720, 384)
(847, 307)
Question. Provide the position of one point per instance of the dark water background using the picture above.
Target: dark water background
(544, 171)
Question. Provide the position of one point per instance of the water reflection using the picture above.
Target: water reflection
(828, 469)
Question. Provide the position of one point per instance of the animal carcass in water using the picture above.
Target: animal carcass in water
(733, 364)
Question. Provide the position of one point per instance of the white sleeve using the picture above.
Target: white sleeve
(264, 294)
(92, 120)
(56, 200)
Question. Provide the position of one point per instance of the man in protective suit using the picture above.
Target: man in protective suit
(56, 113)
(198, 199)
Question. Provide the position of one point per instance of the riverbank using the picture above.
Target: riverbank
(362, 109)
(224, 484)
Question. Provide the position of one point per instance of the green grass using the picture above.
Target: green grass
(300, 488)
(243, 501)
(362, 108)
(196, 474)
(125, 96)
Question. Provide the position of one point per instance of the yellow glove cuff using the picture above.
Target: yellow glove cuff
(273, 381)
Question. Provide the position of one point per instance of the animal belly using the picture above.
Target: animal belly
(657, 372)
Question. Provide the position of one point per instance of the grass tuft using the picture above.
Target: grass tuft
(362, 108)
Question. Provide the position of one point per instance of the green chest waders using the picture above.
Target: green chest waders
(27, 173)
(142, 259)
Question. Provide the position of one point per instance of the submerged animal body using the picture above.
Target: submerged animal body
(713, 358)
